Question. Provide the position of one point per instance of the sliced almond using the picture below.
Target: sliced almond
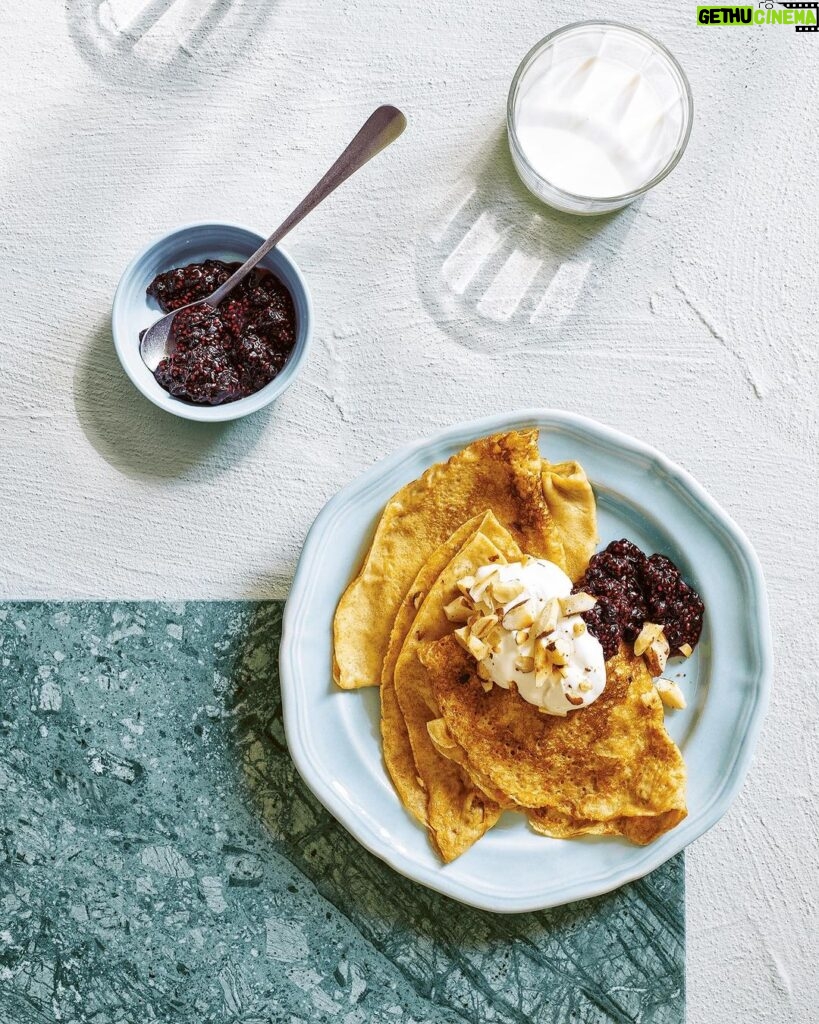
(458, 610)
(656, 655)
(686, 650)
(524, 664)
(481, 624)
(522, 598)
(477, 648)
(552, 656)
(466, 584)
(559, 651)
(486, 684)
(670, 694)
(503, 593)
(543, 663)
(584, 687)
(578, 627)
(494, 638)
(483, 671)
(483, 572)
(520, 617)
(483, 581)
(574, 604)
(647, 635)
(546, 620)
(473, 644)
(522, 637)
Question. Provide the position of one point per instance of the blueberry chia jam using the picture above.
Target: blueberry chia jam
(632, 588)
(232, 351)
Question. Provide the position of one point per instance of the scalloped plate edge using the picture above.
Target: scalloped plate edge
(296, 709)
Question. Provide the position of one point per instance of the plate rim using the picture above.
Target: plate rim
(294, 709)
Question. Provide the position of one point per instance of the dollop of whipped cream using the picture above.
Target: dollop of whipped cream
(523, 626)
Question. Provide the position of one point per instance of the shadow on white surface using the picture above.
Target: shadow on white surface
(269, 586)
(143, 40)
(142, 441)
(496, 267)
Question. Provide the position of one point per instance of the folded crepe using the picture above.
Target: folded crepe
(610, 768)
(395, 736)
(456, 811)
(548, 509)
(573, 511)
(432, 533)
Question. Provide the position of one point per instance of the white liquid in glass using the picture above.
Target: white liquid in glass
(598, 123)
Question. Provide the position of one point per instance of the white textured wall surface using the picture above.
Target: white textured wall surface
(689, 321)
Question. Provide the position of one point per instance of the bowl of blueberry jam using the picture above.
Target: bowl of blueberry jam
(228, 361)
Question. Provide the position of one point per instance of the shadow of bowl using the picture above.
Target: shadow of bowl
(142, 441)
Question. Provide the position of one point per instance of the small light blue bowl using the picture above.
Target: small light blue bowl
(133, 311)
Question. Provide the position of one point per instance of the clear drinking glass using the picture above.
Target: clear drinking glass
(630, 46)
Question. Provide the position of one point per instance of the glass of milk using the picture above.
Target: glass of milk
(598, 114)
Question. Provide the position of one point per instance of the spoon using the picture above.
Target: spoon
(381, 128)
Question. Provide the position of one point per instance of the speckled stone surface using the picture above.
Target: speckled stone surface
(160, 860)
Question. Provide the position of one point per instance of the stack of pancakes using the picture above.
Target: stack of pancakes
(459, 754)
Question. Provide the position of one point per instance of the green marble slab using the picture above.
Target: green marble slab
(160, 859)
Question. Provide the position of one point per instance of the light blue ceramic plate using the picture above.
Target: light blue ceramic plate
(334, 736)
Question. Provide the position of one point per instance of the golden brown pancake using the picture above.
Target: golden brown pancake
(433, 532)
(547, 821)
(609, 767)
(640, 830)
(458, 812)
(395, 738)
(448, 748)
(573, 510)
(502, 473)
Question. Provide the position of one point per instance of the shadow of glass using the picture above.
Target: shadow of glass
(495, 267)
(445, 949)
(142, 441)
(148, 42)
